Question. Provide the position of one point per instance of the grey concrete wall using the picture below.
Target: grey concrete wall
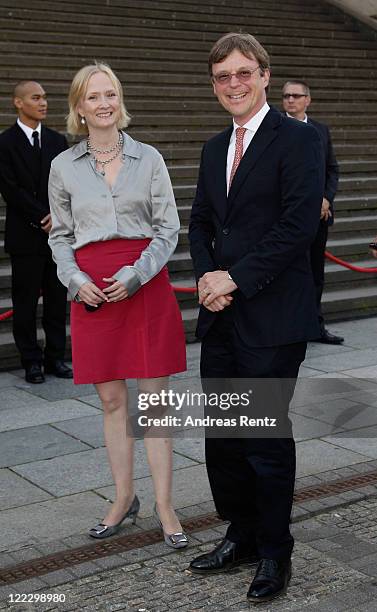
(365, 10)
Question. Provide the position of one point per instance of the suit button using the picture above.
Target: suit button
(259, 287)
(226, 231)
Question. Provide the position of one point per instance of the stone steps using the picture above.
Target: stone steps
(159, 50)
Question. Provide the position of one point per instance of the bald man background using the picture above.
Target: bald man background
(26, 151)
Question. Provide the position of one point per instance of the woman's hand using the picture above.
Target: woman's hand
(91, 294)
(116, 291)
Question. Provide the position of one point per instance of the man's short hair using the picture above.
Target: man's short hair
(303, 84)
(243, 42)
(19, 88)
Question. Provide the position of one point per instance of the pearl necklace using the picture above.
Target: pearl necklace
(91, 148)
(103, 162)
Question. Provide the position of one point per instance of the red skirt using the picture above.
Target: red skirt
(139, 337)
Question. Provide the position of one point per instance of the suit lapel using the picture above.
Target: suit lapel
(266, 133)
(25, 149)
(219, 161)
(45, 155)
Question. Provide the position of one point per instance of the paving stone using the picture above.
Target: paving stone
(352, 552)
(7, 380)
(16, 491)
(313, 505)
(86, 429)
(33, 443)
(298, 513)
(26, 554)
(58, 389)
(84, 569)
(49, 519)
(38, 412)
(27, 586)
(370, 570)
(82, 471)
(193, 448)
(345, 362)
(363, 561)
(207, 535)
(324, 545)
(316, 456)
(308, 481)
(6, 560)
(110, 562)
(59, 577)
(362, 441)
(305, 428)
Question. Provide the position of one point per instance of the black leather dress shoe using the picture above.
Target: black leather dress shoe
(327, 338)
(271, 580)
(224, 557)
(59, 369)
(33, 373)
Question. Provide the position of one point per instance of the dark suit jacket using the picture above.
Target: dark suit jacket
(24, 189)
(331, 165)
(262, 231)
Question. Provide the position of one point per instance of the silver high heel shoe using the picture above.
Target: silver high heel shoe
(105, 531)
(175, 540)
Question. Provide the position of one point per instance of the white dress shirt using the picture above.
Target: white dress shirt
(28, 131)
(305, 119)
(251, 128)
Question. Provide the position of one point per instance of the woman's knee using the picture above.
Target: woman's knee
(113, 398)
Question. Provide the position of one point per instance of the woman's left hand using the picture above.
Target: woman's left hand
(116, 291)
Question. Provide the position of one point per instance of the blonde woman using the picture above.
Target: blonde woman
(114, 227)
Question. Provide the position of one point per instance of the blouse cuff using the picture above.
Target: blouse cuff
(128, 277)
(77, 280)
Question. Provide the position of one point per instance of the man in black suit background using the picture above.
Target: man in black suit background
(254, 216)
(26, 151)
(296, 100)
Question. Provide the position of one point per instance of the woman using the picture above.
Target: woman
(114, 227)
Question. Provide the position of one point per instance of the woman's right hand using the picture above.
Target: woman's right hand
(91, 294)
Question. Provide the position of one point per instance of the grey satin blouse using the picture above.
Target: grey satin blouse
(84, 209)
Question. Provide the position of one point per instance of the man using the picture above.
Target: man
(26, 151)
(296, 100)
(254, 217)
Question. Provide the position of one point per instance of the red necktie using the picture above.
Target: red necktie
(240, 132)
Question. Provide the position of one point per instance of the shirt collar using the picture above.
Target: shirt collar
(131, 148)
(304, 120)
(28, 130)
(254, 123)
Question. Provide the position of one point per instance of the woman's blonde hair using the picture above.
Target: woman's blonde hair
(78, 89)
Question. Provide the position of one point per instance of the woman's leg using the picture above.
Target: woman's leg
(119, 444)
(160, 459)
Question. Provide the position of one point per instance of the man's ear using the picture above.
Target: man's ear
(17, 102)
(266, 74)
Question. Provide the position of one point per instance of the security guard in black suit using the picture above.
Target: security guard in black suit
(26, 151)
(296, 99)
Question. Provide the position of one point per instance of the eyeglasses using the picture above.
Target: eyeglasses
(223, 78)
(295, 96)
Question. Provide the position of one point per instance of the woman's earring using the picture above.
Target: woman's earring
(82, 120)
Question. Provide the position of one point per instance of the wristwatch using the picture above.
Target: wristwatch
(230, 278)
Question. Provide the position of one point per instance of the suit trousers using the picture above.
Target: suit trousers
(252, 479)
(32, 274)
(317, 260)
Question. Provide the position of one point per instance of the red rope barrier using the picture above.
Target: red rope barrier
(184, 289)
(345, 264)
(6, 315)
(177, 289)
